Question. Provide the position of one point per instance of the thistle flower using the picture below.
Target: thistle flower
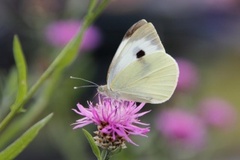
(182, 127)
(116, 120)
(59, 33)
(217, 113)
(188, 78)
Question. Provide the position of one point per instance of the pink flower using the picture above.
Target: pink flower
(188, 77)
(116, 120)
(181, 127)
(59, 33)
(217, 112)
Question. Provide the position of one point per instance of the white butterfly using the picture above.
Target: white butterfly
(141, 70)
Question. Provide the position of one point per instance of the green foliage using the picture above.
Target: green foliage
(47, 82)
(94, 147)
(22, 72)
(22, 142)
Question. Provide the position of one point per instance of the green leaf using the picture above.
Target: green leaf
(94, 147)
(21, 68)
(70, 51)
(21, 123)
(65, 58)
(22, 142)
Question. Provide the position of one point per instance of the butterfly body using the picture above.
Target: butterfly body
(141, 70)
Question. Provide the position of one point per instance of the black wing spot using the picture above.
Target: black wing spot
(140, 54)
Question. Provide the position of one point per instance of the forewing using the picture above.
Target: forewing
(151, 79)
(140, 39)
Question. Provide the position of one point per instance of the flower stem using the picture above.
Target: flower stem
(105, 154)
(57, 63)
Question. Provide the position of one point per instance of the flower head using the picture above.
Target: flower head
(116, 121)
(181, 127)
(59, 33)
(217, 112)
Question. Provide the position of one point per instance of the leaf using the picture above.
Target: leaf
(94, 147)
(21, 123)
(70, 51)
(22, 70)
(22, 142)
(65, 58)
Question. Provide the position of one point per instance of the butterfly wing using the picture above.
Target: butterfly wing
(151, 79)
(141, 70)
(141, 37)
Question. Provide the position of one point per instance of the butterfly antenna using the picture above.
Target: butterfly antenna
(93, 84)
(86, 86)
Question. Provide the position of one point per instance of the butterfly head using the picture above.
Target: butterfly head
(101, 89)
(104, 90)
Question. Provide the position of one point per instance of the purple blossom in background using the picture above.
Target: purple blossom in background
(181, 127)
(217, 112)
(59, 33)
(116, 120)
(188, 77)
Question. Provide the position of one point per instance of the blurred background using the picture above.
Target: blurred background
(200, 121)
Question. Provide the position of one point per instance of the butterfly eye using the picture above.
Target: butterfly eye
(140, 54)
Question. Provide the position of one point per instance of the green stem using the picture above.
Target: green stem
(20, 124)
(105, 154)
(88, 20)
(99, 10)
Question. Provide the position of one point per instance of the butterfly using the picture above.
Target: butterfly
(141, 70)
